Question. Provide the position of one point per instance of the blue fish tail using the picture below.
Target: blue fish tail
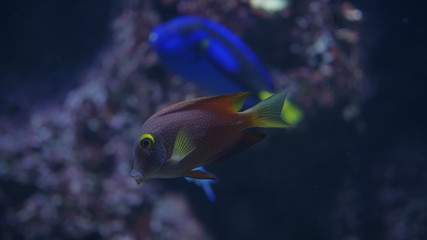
(205, 184)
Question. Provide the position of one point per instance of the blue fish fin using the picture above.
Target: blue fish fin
(205, 184)
(221, 55)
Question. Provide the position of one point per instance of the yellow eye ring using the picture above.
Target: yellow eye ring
(146, 141)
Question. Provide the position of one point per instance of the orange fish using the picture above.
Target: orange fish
(180, 139)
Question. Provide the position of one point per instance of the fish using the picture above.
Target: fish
(182, 139)
(214, 58)
(211, 56)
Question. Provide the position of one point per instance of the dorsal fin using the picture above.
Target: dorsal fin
(228, 102)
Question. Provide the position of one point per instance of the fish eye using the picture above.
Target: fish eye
(146, 141)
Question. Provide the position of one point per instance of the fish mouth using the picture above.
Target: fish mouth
(137, 176)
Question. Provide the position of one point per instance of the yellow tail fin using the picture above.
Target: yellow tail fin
(268, 113)
(292, 114)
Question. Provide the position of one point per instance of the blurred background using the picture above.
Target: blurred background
(79, 78)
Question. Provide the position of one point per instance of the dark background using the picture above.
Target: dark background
(44, 47)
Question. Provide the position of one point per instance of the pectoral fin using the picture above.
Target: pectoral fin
(199, 174)
(183, 145)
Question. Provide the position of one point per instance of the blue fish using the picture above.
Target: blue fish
(209, 55)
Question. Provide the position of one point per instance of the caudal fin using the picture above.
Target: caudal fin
(268, 113)
(291, 113)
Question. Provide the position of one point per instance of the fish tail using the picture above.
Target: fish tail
(291, 112)
(269, 112)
